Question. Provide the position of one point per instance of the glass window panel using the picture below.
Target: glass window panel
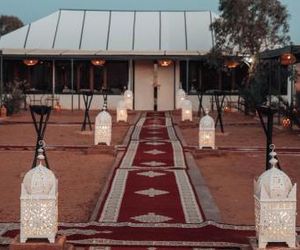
(198, 34)
(69, 30)
(95, 30)
(146, 31)
(172, 31)
(117, 76)
(42, 32)
(15, 39)
(121, 31)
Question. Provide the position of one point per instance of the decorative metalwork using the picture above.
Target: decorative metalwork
(180, 97)
(98, 62)
(286, 122)
(103, 124)
(186, 110)
(207, 132)
(40, 116)
(121, 111)
(287, 59)
(30, 62)
(165, 62)
(39, 212)
(128, 99)
(275, 206)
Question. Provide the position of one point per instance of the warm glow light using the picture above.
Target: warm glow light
(121, 111)
(186, 111)
(287, 59)
(231, 64)
(98, 62)
(128, 99)
(286, 122)
(30, 62)
(57, 107)
(3, 111)
(165, 62)
(227, 109)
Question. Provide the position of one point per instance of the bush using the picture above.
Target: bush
(256, 93)
(14, 96)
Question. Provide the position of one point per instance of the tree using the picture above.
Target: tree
(9, 23)
(250, 26)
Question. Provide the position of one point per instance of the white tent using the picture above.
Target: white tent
(138, 37)
(94, 32)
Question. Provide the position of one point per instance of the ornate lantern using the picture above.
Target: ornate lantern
(39, 203)
(57, 107)
(207, 132)
(231, 64)
(98, 62)
(165, 62)
(30, 62)
(121, 111)
(180, 97)
(3, 111)
(286, 122)
(186, 110)
(128, 98)
(227, 109)
(287, 59)
(275, 207)
(103, 125)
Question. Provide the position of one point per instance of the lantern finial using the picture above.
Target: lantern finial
(40, 157)
(273, 161)
(206, 111)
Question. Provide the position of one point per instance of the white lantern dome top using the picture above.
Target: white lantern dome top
(207, 122)
(39, 180)
(274, 181)
(104, 117)
(180, 92)
(128, 93)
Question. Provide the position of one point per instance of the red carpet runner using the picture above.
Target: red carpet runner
(151, 201)
(151, 184)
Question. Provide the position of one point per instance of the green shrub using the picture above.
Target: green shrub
(14, 96)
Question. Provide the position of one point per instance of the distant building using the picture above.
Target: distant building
(152, 53)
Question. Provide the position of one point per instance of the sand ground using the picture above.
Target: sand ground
(229, 175)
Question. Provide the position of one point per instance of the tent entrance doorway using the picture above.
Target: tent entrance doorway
(154, 86)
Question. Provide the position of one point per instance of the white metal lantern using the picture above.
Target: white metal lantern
(275, 207)
(121, 111)
(207, 132)
(39, 213)
(103, 124)
(128, 98)
(186, 110)
(180, 97)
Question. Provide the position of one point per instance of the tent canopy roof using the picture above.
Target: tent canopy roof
(99, 32)
(275, 53)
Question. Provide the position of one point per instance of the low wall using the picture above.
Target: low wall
(67, 101)
(75, 101)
